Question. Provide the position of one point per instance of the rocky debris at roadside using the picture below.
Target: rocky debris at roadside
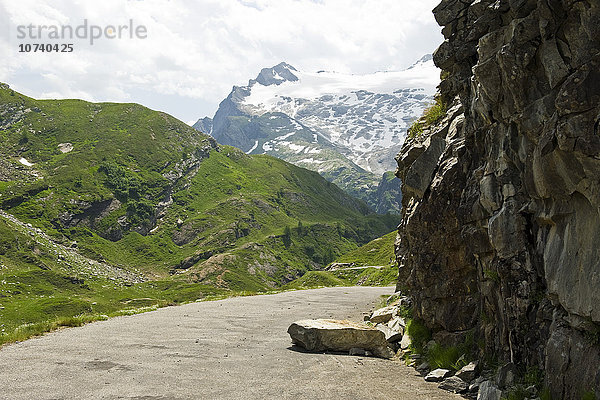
(383, 315)
(383, 334)
(391, 335)
(454, 384)
(437, 375)
(470, 381)
(469, 371)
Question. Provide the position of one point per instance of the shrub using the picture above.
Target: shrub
(431, 116)
(453, 357)
(287, 237)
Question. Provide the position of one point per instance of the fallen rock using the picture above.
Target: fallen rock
(397, 324)
(405, 342)
(396, 296)
(437, 375)
(324, 334)
(469, 371)
(405, 301)
(391, 335)
(424, 368)
(506, 375)
(489, 391)
(454, 384)
(474, 386)
(384, 314)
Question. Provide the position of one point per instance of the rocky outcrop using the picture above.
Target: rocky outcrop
(204, 125)
(388, 194)
(500, 231)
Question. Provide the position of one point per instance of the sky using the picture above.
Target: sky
(183, 57)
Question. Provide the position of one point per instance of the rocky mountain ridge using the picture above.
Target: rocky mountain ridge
(346, 127)
(499, 238)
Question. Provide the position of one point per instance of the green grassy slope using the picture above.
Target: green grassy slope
(377, 253)
(44, 285)
(334, 166)
(139, 209)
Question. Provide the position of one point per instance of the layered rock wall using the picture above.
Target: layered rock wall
(501, 220)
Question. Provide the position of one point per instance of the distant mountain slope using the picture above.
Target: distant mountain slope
(346, 127)
(372, 264)
(137, 188)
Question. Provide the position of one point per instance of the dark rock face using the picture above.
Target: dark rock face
(501, 219)
(388, 194)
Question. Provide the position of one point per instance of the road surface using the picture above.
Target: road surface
(236, 348)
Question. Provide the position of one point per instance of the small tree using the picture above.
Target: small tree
(287, 237)
(338, 227)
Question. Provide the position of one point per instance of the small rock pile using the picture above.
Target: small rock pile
(464, 381)
(471, 381)
(389, 321)
(383, 334)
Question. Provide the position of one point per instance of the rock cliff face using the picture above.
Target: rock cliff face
(501, 220)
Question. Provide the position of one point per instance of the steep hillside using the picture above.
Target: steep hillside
(138, 192)
(45, 285)
(346, 127)
(499, 237)
(372, 264)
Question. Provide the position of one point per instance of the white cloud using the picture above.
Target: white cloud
(195, 51)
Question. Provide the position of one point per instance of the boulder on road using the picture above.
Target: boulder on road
(324, 334)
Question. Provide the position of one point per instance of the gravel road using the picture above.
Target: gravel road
(231, 349)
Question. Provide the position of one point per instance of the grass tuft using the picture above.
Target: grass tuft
(29, 330)
(431, 116)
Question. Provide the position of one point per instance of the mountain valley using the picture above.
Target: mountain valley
(108, 207)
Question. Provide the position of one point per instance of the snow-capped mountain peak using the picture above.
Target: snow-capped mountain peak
(346, 127)
(424, 61)
(276, 75)
(363, 114)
